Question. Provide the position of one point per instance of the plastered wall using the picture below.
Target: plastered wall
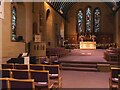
(9, 48)
(118, 28)
(54, 23)
(50, 29)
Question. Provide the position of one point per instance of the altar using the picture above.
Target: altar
(87, 45)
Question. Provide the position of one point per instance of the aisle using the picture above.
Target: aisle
(85, 80)
(90, 80)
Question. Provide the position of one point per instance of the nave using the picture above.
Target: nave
(36, 35)
(85, 80)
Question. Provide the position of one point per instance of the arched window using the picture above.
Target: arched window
(14, 22)
(17, 21)
(88, 20)
(96, 20)
(91, 21)
(80, 21)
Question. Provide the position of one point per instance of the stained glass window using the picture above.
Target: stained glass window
(80, 21)
(91, 23)
(88, 19)
(14, 20)
(97, 20)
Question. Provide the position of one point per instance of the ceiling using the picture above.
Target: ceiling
(63, 7)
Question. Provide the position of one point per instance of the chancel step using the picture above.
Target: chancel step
(82, 66)
(80, 69)
(82, 62)
(79, 65)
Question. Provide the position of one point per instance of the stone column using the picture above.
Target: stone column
(117, 29)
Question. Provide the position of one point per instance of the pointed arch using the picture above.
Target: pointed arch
(80, 21)
(18, 20)
(88, 24)
(14, 23)
(97, 18)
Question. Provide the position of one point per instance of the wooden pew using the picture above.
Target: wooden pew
(114, 80)
(22, 73)
(112, 54)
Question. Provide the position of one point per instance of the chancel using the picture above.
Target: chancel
(55, 44)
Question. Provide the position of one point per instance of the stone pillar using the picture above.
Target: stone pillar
(118, 28)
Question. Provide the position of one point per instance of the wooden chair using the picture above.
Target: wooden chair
(6, 73)
(21, 84)
(36, 67)
(114, 80)
(41, 79)
(21, 66)
(20, 74)
(54, 72)
(4, 83)
(43, 60)
(54, 60)
(7, 66)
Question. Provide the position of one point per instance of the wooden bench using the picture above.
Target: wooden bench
(6, 73)
(14, 84)
(7, 66)
(25, 73)
(112, 54)
(114, 79)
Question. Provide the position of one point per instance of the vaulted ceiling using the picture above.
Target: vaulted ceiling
(63, 7)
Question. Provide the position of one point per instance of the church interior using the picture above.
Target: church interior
(53, 45)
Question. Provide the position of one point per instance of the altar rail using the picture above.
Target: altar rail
(98, 46)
